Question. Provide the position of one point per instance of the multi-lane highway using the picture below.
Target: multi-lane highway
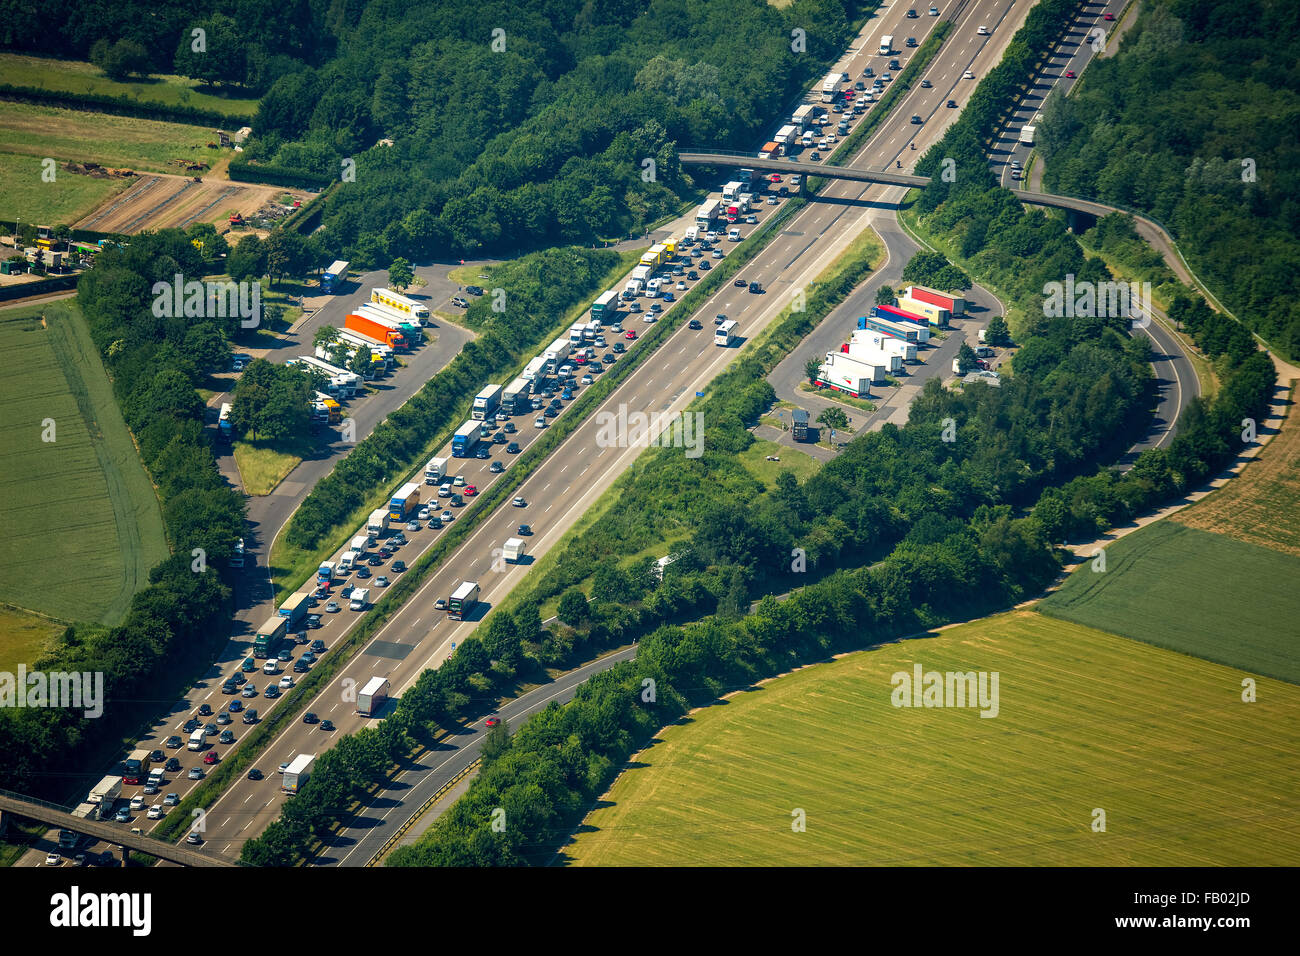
(570, 480)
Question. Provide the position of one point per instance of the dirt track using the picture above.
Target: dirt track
(159, 201)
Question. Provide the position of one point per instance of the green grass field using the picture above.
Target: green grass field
(83, 521)
(71, 76)
(1192, 591)
(1186, 773)
(24, 637)
(27, 197)
(117, 141)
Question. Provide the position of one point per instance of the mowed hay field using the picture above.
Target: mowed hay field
(116, 141)
(27, 197)
(1196, 592)
(24, 637)
(81, 517)
(1262, 504)
(1186, 773)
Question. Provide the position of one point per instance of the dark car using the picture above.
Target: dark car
(239, 678)
(499, 438)
(254, 774)
(318, 646)
(192, 725)
(250, 715)
(205, 710)
(363, 573)
(172, 765)
(512, 448)
(313, 621)
(482, 453)
(284, 657)
(474, 289)
(692, 274)
(310, 718)
(374, 561)
(756, 287)
(740, 283)
(400, 566)
(173, 742)
(229, 687)
(525, 529)
(326, 725)
(308, 657)
(157, 756)
(704, 264)
(300, 667)
(694, 324)
(952, 104)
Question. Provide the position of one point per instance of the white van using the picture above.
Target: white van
(806, 139)
(196, 740)
(733, 234)
(346, 560)
(652, 288)
(634, 286)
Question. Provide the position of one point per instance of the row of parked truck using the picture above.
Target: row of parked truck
(888, 339)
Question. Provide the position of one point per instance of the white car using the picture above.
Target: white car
(586, 380)
(711, 236)
(155, 812)
(137, 802)
(446, 516)
(983, 31)
(424, 513)
(968, 75)
(286, 682)
(459, 482)
(681, 286)
(539, 423)
(53, 859)
(823, 142)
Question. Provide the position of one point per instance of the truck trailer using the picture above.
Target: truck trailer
(830, 86)
(417, 311)
(294, 609)
(462, 600)
(889, 343)
(377, 523)
(514, 399)
(435, 470)
(270, 635)
(895, 314)
(372, 328)
(803, 116)
(136, 768)
(535, 369)
(846, 374)
(103, 795)
(907, 331)
(372, 696)
(771, 150)
(605, 306)
(486, 402)
(707, 213)
(932, 314)
(465, 439)
(514, 550)
(408, 326)
(297, 773)
(332, 279)
(404, 502)
(379, 348)
(786, 135)
(955, 304)
(873, 355)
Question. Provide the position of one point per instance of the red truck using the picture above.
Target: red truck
(368, 327)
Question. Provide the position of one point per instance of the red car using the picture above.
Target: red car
(774, 178)
(630, 334)
(1069, 74)
(470, 491)
(491, 722)
(1109, 16)
(210, 757)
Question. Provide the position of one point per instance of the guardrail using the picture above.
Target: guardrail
(424, 807)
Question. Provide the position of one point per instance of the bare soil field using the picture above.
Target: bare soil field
(160, 201)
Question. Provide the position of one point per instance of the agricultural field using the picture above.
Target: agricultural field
(1192, 591)
(78, 507)
(71, 76)
(24, 637)
(27, 197)
(1262, 504)
(1187, 774)
(114, 141)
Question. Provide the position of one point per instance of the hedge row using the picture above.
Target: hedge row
(122, 106)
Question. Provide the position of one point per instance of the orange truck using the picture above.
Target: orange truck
(364, 325)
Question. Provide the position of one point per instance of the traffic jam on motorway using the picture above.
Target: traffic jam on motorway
(506, 418)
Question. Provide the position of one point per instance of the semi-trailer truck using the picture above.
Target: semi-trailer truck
(803, 116)
(297, 773)
(462, 600)
(486, 402)
(535, 369)
(374, 328)
(372, 696)
(706, 214)
(514, 399)
(136, 768)
(333, 278)
(908, 331)
(895, 314)
(844, 373)
(605, 306)
(786, 135)
(408, 326)
(924, 311)
(104, 794)
(269, 637)
(405, 501)
(350, 381)
(356, 340)
(294, 608)
(325, 352)
(830, 86)
(955, 304)
(465, 439)
(417, 311)
(882, 340)
(435, 470)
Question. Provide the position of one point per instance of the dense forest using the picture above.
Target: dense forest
(1194, 123)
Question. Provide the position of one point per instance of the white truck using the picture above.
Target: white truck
(786, 135)
(297, 773)
(435, 471)
(1027, 135)
(534, 369)
(513, 550)
(196, 740)
(104, 794)
(360, 599)
(830, 86)
(346, 561)
(633, 287)
(377, 523)
(803, 116)
(372, 696)
(360, 545)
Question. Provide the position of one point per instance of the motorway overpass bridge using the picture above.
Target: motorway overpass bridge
(56, 816)
(1081, 213)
